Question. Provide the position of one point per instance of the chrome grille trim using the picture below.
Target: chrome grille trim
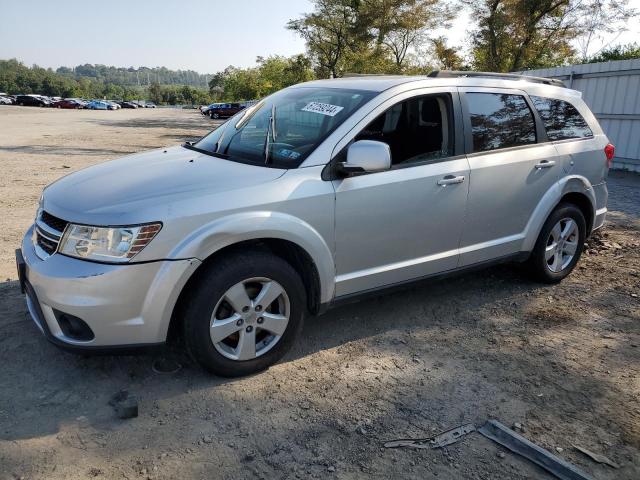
(47, 236)
(47, 232)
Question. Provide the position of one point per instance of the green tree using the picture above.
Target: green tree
(329, 32)
(513, 35)
(368, 36)
(620, 52)
(188, 94)
(155, 92)
(403, 25)
(447, 58)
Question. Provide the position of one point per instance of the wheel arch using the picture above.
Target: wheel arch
(289, 251)
(574, 189)
(282, 234)
(582, 201)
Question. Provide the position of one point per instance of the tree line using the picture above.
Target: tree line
(398, 37)
(95, 81)
(365, 37)
(136, 76)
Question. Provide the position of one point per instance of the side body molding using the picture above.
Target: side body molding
(568, 184)
(254, 225)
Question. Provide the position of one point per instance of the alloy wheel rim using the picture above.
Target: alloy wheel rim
(562, 245)
(250, 319)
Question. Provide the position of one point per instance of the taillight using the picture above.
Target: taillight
(610, 152)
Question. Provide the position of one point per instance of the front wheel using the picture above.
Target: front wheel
(244, 313)
(559, 245)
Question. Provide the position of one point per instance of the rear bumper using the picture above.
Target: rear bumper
(125, 306)
(602, 195)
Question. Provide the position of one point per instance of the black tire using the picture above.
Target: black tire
(537, 263)
(210, 286)
(216, 116)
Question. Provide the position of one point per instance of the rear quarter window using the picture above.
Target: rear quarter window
(561, 119)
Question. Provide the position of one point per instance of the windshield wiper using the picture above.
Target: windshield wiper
(271, 129)
(219, 142)
(190, 146)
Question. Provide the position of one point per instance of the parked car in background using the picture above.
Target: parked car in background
(149, 105)
(32, 101)
(68, 103)
(7, 99)
(225, 110)
(128, 104)
(204, 109)
(98, 105)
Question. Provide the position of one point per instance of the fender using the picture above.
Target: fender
(568, 184)
(255, 225)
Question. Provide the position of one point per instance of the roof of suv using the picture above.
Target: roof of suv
(379, 83)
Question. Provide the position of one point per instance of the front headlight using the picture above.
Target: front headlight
(106, 244)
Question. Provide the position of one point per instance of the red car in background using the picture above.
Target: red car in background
(68, 103)
(224, 110)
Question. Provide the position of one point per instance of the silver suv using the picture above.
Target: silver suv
(319, 193)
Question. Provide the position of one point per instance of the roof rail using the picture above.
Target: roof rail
(354, 75)
(506, 76)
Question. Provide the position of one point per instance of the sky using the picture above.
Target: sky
(201, 35)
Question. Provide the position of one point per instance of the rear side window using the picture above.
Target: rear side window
(500, 120)
(561, 119)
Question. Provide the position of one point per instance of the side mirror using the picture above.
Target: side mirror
(366, 156)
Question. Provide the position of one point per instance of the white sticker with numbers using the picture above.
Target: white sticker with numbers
(322, 108)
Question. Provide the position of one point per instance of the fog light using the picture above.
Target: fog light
(74, 327)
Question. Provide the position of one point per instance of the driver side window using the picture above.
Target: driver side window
(417, 130)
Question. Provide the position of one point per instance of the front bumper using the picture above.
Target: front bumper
(124, 305)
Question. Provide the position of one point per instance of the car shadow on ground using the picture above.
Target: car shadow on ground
(453, 322)
(196, 122)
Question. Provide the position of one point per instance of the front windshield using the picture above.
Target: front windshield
(284, 128)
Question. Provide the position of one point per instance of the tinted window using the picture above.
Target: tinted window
(417, 130)
(561, 119)
(500, 121)
(284, 128)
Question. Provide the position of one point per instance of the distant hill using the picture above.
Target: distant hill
(159, 84)
(136, 76)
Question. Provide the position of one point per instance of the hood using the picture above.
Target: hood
(148, 179)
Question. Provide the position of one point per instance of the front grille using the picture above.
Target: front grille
(47, 245)
(48, 232)
(54, 222)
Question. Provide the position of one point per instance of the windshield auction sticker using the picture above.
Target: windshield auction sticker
(322, 108)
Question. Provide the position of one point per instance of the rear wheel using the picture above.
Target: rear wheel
(559, 245)
(244, 313)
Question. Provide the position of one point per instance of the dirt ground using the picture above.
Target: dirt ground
(563, 361)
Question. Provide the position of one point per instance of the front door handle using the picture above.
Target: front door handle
(545, 164)
(450, 180)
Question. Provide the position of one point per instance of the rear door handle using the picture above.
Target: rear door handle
(545, 164)
(450, 180)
